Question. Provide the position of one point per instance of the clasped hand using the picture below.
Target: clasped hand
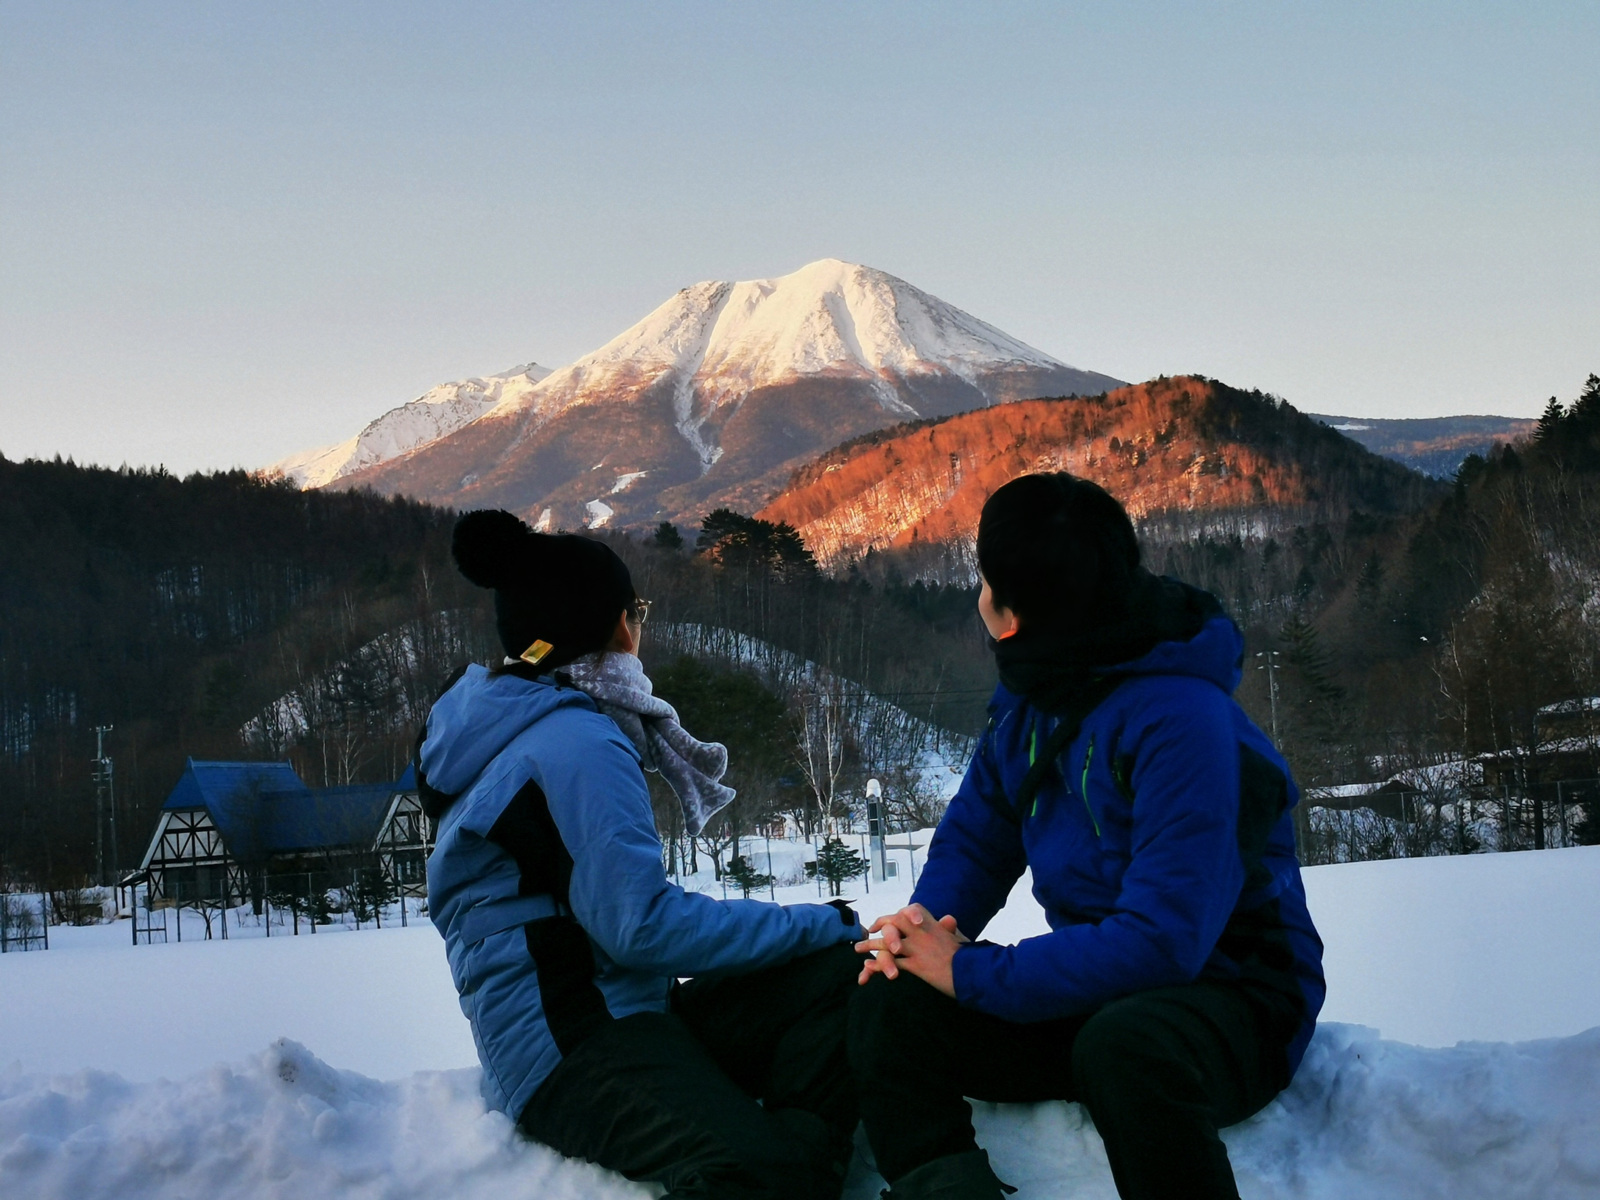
(912, 940)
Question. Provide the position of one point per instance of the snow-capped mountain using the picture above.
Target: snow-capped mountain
(719, 342)
(433, 415)
(720, 392)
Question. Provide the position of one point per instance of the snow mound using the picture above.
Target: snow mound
(1369, 1118)
(433, 415)
(285, 1125)
(1365, 1117)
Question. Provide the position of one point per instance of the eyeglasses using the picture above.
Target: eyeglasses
(640, 611)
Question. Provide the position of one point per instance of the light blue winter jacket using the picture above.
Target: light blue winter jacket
(487, 738)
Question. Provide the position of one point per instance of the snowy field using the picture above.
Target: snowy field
(339, 1064)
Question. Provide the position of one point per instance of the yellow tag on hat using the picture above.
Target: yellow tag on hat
(536, 652)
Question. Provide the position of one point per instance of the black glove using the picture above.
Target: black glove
(846, 913)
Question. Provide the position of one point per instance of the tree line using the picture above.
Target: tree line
(176, 611)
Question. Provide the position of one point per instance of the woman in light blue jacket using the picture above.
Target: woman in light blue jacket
(564, 936)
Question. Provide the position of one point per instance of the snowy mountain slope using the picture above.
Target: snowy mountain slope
(718, 393)
(721, 341)
(432, 415)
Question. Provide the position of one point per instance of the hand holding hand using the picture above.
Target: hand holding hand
(911, 939)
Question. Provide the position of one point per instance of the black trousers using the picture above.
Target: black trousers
(1160, 1072)
(673, 1097)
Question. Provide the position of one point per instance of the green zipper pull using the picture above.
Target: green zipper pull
(1033, 753)
(1083, 785)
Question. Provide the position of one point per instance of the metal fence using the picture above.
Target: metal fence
(1449, 819)
(24, 922)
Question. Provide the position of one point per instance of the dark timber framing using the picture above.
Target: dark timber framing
(188, 861)
(404, 842)
(233, 833)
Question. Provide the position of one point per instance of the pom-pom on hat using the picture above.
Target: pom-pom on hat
(563, 589)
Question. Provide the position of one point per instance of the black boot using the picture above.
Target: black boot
(964, 1176)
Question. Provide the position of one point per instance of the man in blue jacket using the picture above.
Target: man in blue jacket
(1181, 979)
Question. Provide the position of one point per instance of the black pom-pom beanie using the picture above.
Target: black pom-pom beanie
(1054, 547)
(562, 588)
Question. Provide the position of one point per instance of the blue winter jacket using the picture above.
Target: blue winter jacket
(1147, 872)
(547, 884)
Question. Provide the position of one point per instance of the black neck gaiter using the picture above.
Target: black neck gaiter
(1053, 666)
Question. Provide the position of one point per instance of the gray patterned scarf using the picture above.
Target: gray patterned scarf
(692, 768)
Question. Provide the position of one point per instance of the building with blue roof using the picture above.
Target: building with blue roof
(236, 831)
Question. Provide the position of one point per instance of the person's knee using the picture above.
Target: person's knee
(1121, 1052)
(836, 968)
(872, 1007)
(887, 1014)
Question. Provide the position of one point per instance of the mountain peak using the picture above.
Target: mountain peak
(830, 318)
(715, 397)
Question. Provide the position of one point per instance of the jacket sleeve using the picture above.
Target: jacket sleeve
(1178, 890)
(619, 890)
(976, 853)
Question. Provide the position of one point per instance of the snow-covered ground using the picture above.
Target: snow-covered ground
(251, 1068)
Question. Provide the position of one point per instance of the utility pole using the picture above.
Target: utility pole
(1271, 668)
(1302, 815)
(104, 802)
(876, 830)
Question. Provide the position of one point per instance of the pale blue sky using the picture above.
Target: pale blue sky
(228, 232)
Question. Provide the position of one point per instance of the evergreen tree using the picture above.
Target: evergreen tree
(734, 540)
(1586, 830)
(370, 891)
(837, 863)
(746, 876)
(667, 536)
(1317, 727)
(1371, 577)
(1586, 408)
(1549, 422)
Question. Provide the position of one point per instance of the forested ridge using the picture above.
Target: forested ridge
(183, 611)
(1181, 448)
(173, 609)
(226, 616)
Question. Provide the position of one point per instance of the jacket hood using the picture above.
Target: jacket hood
(1215, 654)
(480, 716)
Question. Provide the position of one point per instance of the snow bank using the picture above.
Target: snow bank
(1477, 947)
(1365, 1118)
(284, 1124)
(378, 1001)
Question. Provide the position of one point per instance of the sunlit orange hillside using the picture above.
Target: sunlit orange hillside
(1183, 445)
